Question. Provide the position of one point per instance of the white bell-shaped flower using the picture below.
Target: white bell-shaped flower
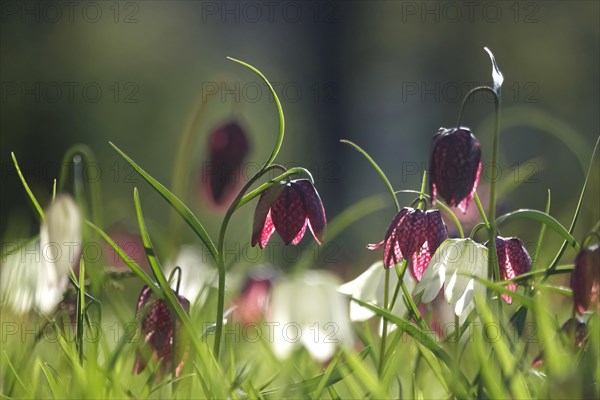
(308, 310)
(453, 266)
(370, 288)
(35, 276)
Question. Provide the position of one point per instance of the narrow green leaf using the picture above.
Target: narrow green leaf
(14, 372)
(50, 379)
(501, 289)
(326, 376)
(545, 219)
(208, 361)
(311, 384)
(127, 260)
(427, 340)
(554, 263)
(508, 364)
(489, 371)
(368, 379)
(177, 204)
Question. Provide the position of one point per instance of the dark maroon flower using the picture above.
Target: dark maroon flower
(413, 235)
(228, 147)
(157, 327)
(454, 167)
(585, 279)
(513, 260)
(288, 207)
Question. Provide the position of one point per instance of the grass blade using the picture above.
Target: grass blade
(376, 167)
(177, 204)
(545, 219)
(126, 259)
(28, 189)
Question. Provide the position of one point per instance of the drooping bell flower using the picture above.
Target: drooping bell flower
(513, 260)
(253, 301)
(288, 208)
(454, 167)
(413, 235)
(585, 279)
(35, 276)
(158, 326)
(228, 147)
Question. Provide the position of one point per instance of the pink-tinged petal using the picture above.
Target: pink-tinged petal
(392, 253)
(437, 231)
(267, 231)
(300, 234)
(314, 207)
(518, 256)
(585, 279)
(262, 228)
(289, 214)
(419, 261)
(465, 202)
(433, 192)
(145, 295)
(513, 260)
(375, 246)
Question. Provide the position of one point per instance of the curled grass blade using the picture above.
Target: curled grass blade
(281, 133)
(377, 169)
(177, 204)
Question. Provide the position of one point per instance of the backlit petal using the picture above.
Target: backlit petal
(288, 214)
(313, 206)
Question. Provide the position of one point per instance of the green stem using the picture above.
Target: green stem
(81, 310)
(385, 325)
(481, 211)
(493, 256)
(235, 205)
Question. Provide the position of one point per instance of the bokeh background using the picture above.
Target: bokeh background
(385, 74)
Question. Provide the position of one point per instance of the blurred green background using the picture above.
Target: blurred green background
(385, 74)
